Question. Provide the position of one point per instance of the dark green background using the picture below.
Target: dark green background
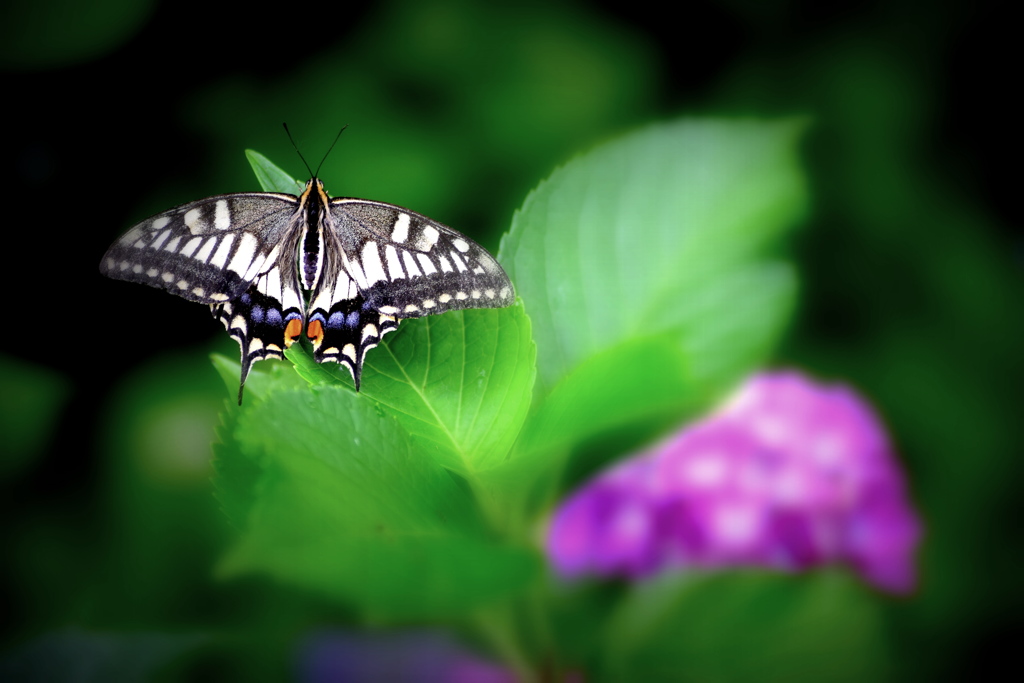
(911, 273)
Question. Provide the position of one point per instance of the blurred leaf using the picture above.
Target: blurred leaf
(31, 398)
(648, 269)
(87, 657)
(351, 507)
(746, 627)
(633, 239)
(51, 33)
(670, 373)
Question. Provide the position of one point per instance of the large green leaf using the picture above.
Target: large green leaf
(634, 238)
(348, 505)
(650, 269)
(461, 382)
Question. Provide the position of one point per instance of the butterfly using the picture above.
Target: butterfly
(341, 271)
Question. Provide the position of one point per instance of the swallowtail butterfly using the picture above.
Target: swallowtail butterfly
(274, 266)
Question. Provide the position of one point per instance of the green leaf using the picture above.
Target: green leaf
(270, 176)
(460, 382)
(350, 505)
(633, 239)
(745, 626)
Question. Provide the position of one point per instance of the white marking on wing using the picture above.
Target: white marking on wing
(446, 267)
(130, 236)
(394, 263)
(400, 233)
(272, 256)
(206, 250)
(254, 268)
(161, 222)
(290, 298)
(160, 239)
(372, 265)
(428, 265)
(342, 288)
(194, 221)
(427, 238)
(429, 303)
(221, 257)
(221, 215)
(458, 262)
(410, 265)
(272, 284)
(322, 301)
(191, 246)
(167, 277)
(173, 244)
(239, 324)
(354, 271)
(444, 298)
(461, 245)
(242, 260)
(369, 330)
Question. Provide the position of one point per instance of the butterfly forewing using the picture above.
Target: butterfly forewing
(405, 261)
(342, 271)
(208, 251)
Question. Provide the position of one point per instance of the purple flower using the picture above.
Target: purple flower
(413, 656)
(788, 474)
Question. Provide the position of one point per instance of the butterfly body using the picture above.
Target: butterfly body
(341, 271)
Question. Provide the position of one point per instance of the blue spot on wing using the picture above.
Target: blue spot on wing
(336, 320)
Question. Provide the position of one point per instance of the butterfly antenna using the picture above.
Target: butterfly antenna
(292, 140)
(336, 138)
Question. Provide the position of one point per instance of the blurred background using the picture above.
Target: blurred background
(117, 109)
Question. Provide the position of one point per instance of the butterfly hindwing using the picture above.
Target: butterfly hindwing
(208, 251)
(268, 317)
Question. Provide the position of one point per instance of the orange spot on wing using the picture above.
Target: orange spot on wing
(315, 332)
(292, 332)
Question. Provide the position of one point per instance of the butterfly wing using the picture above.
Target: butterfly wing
(235, 252)
(385, 263)
(208, 251)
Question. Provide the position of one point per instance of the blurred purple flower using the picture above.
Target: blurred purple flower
(788, 474)
(412, 656)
